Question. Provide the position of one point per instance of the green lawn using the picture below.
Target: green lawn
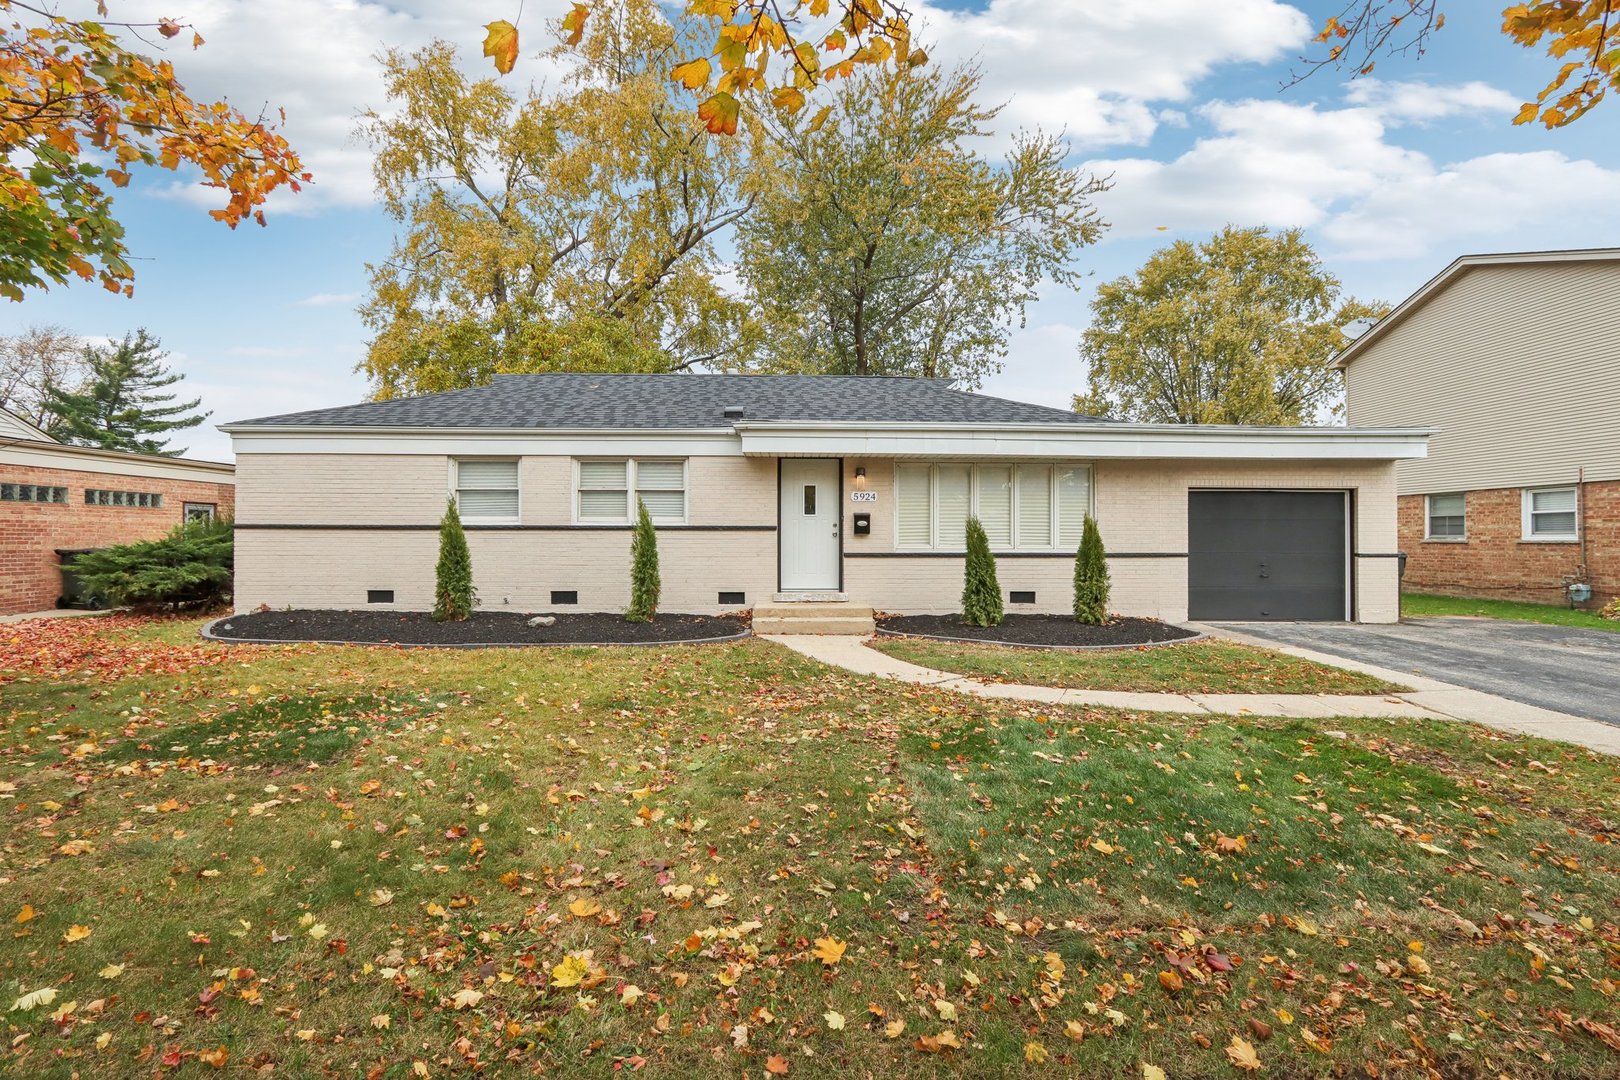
(1417, 605)
(731, 861)
(1199, 667)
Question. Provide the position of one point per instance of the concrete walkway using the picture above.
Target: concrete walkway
(54, 613)
(1427, 700)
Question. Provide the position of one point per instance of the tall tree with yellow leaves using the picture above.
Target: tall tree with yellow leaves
(571, 229)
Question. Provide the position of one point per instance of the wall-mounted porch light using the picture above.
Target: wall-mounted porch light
(860, 478)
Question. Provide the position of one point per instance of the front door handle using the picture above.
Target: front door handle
(1263, 571)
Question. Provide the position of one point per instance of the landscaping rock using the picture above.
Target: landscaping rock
(543, 620)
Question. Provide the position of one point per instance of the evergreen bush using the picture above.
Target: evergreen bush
(453, 594)
(981, 592)
(189, 568)
(1091, 577)
(644, 580)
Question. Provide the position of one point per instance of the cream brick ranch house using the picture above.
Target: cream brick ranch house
(787, 487)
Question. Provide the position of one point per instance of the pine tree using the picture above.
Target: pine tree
(1091, 577)
(453, 594)
(119, 406)
(644, 580)
(981, 592)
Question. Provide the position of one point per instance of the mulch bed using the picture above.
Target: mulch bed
(484, 628)
(1038, 631)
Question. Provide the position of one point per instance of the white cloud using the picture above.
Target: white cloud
(1495, 202)
(325, 299)
(1043, 366)
(314, 59)
(1094, 67)
(1337, 172)
(1423, 103)
(241, 389)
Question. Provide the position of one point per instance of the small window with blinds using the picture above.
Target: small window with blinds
(661, 485)
(606, 487)
(1447, 517)
(1025, 507)
(487, 490)
(1551, 514)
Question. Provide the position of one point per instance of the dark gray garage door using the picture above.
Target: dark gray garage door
(1266, 555)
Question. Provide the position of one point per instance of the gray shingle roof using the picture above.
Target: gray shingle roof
(679, 401)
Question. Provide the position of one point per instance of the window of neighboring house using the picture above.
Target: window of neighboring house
(203, 512)
(605, 487)
(104, 497)
(487, 490)
(1550, 514)
(1447, 517)
(1022, 507)
(32, 493)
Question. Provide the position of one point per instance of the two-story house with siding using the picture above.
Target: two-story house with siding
(1515, 360)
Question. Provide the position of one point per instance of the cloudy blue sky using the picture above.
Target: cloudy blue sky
(1181, 100)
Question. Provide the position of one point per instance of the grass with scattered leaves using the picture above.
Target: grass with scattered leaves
(1198, 667)
(1420, 605)
(730, 860)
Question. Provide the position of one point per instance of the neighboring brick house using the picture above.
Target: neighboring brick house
(55, 497)
(1515, 359)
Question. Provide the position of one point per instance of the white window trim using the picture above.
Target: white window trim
(1526, 517)
(1428, 518)
(486, 519)
(1018, 545)
(632, 480)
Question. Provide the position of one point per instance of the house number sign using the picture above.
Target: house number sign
(863, 496)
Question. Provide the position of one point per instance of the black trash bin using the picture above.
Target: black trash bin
(74, 594)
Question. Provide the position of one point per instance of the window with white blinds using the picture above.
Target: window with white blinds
(662, 486)
(605, 489)
(1551, 514)
(1022, 507)
(487, 490)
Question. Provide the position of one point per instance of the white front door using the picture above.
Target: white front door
(810, 517)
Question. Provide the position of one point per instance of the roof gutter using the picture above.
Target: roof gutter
(397, 429)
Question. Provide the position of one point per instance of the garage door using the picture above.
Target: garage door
(1266, 555)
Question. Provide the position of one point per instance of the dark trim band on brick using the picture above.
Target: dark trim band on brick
(506, 528)
(1009, 555)
(1379, 554)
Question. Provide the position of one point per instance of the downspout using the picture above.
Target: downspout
(1580, 517)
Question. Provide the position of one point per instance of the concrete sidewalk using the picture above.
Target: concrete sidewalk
(1427, 700)
(54, 613)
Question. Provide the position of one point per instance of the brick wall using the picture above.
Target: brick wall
(31, 533)
(1495, 562)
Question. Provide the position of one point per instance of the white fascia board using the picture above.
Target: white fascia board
(586, 442)
(1087, 442)
(114, 463)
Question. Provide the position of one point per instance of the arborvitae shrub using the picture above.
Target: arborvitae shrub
(644, 580)
(981, 592)
(453, 594)
(1091, 577)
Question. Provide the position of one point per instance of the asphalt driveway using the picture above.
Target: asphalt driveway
(1555, 667)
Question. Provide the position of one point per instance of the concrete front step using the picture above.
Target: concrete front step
(813, 618)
